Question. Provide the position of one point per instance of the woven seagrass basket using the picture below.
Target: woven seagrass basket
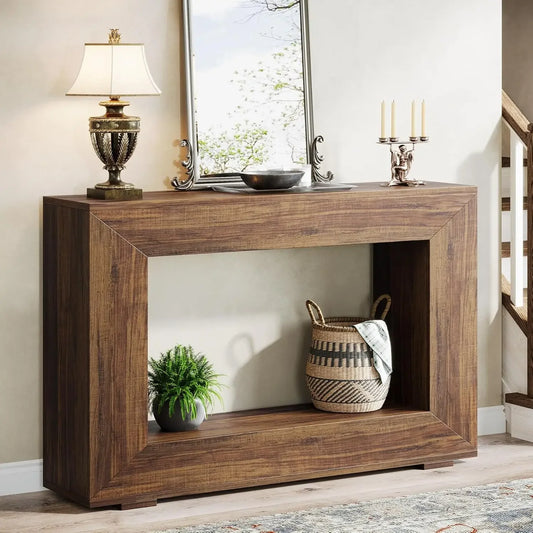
(340, 371)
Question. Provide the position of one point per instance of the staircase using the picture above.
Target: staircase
(516, 253)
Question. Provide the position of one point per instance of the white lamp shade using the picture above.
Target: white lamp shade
(114, 70)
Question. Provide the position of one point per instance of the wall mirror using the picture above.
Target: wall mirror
(249, 98)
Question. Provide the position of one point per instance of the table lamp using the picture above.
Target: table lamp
(114, 69)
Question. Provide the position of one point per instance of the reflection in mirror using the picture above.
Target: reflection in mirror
(249, 98)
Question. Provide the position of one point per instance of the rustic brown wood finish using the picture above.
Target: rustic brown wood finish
(98, 446)
(515, 118)
(519, 313)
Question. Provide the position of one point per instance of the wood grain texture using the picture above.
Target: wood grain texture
(402, 270)
(518, 313)
(118, 346)
(453, 323)
(66, 351)
(140, 504)
(287, 450)
(516, 398)
(506, 203)
(506, 249)
(515, 118)
(95, 327)
(170, 223)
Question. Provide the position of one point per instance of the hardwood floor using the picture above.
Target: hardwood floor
(501, 458)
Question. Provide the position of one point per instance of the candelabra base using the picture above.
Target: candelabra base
(407, 183)
(401, 161)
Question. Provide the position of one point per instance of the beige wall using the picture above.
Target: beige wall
(448, 53)
(244, 310)
(517, 60)
(514, 362)
(45, 150)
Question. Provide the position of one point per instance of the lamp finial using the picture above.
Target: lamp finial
(114, 36)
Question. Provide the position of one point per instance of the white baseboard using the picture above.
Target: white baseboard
(27, 476)
(24, 476)
(491, 420)
(520, 421)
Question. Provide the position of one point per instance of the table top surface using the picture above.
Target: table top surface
(207, 196)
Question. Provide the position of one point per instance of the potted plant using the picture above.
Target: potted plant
(182, 385)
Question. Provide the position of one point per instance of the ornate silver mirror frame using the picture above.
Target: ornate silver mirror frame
(191, 165)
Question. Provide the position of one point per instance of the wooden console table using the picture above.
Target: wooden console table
(99, 448)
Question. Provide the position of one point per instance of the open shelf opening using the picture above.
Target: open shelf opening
(400, 269)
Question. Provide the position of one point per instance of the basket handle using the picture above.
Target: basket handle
(375, 305)
(311, 308)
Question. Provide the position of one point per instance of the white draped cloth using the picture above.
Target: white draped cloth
(376, 335)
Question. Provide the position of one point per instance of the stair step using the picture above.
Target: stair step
(506, 249)
(519, 314)
(523, 400)
(506, 162)
(506, 203)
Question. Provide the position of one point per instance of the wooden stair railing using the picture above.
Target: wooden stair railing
(515, 118)
(518, 139)
(518, 313)
(522, 128)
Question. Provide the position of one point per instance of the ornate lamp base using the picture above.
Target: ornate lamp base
(114, 136)
(115, 194)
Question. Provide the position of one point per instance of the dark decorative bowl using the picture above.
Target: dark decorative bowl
(272, 179)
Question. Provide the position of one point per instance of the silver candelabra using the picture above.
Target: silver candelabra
(402, 160)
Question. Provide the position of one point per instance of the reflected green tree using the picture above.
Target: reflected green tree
(276, 87)
(233, 151)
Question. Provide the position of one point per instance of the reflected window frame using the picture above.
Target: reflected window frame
(191, 164)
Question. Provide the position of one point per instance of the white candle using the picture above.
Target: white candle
(423, 132)
(413, 119)
(382, 119)
(393, 119)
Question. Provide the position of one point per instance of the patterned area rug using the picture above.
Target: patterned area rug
(496, 508)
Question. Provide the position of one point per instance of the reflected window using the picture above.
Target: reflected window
(248, 84)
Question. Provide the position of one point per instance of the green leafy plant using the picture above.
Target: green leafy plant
(179, 377)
